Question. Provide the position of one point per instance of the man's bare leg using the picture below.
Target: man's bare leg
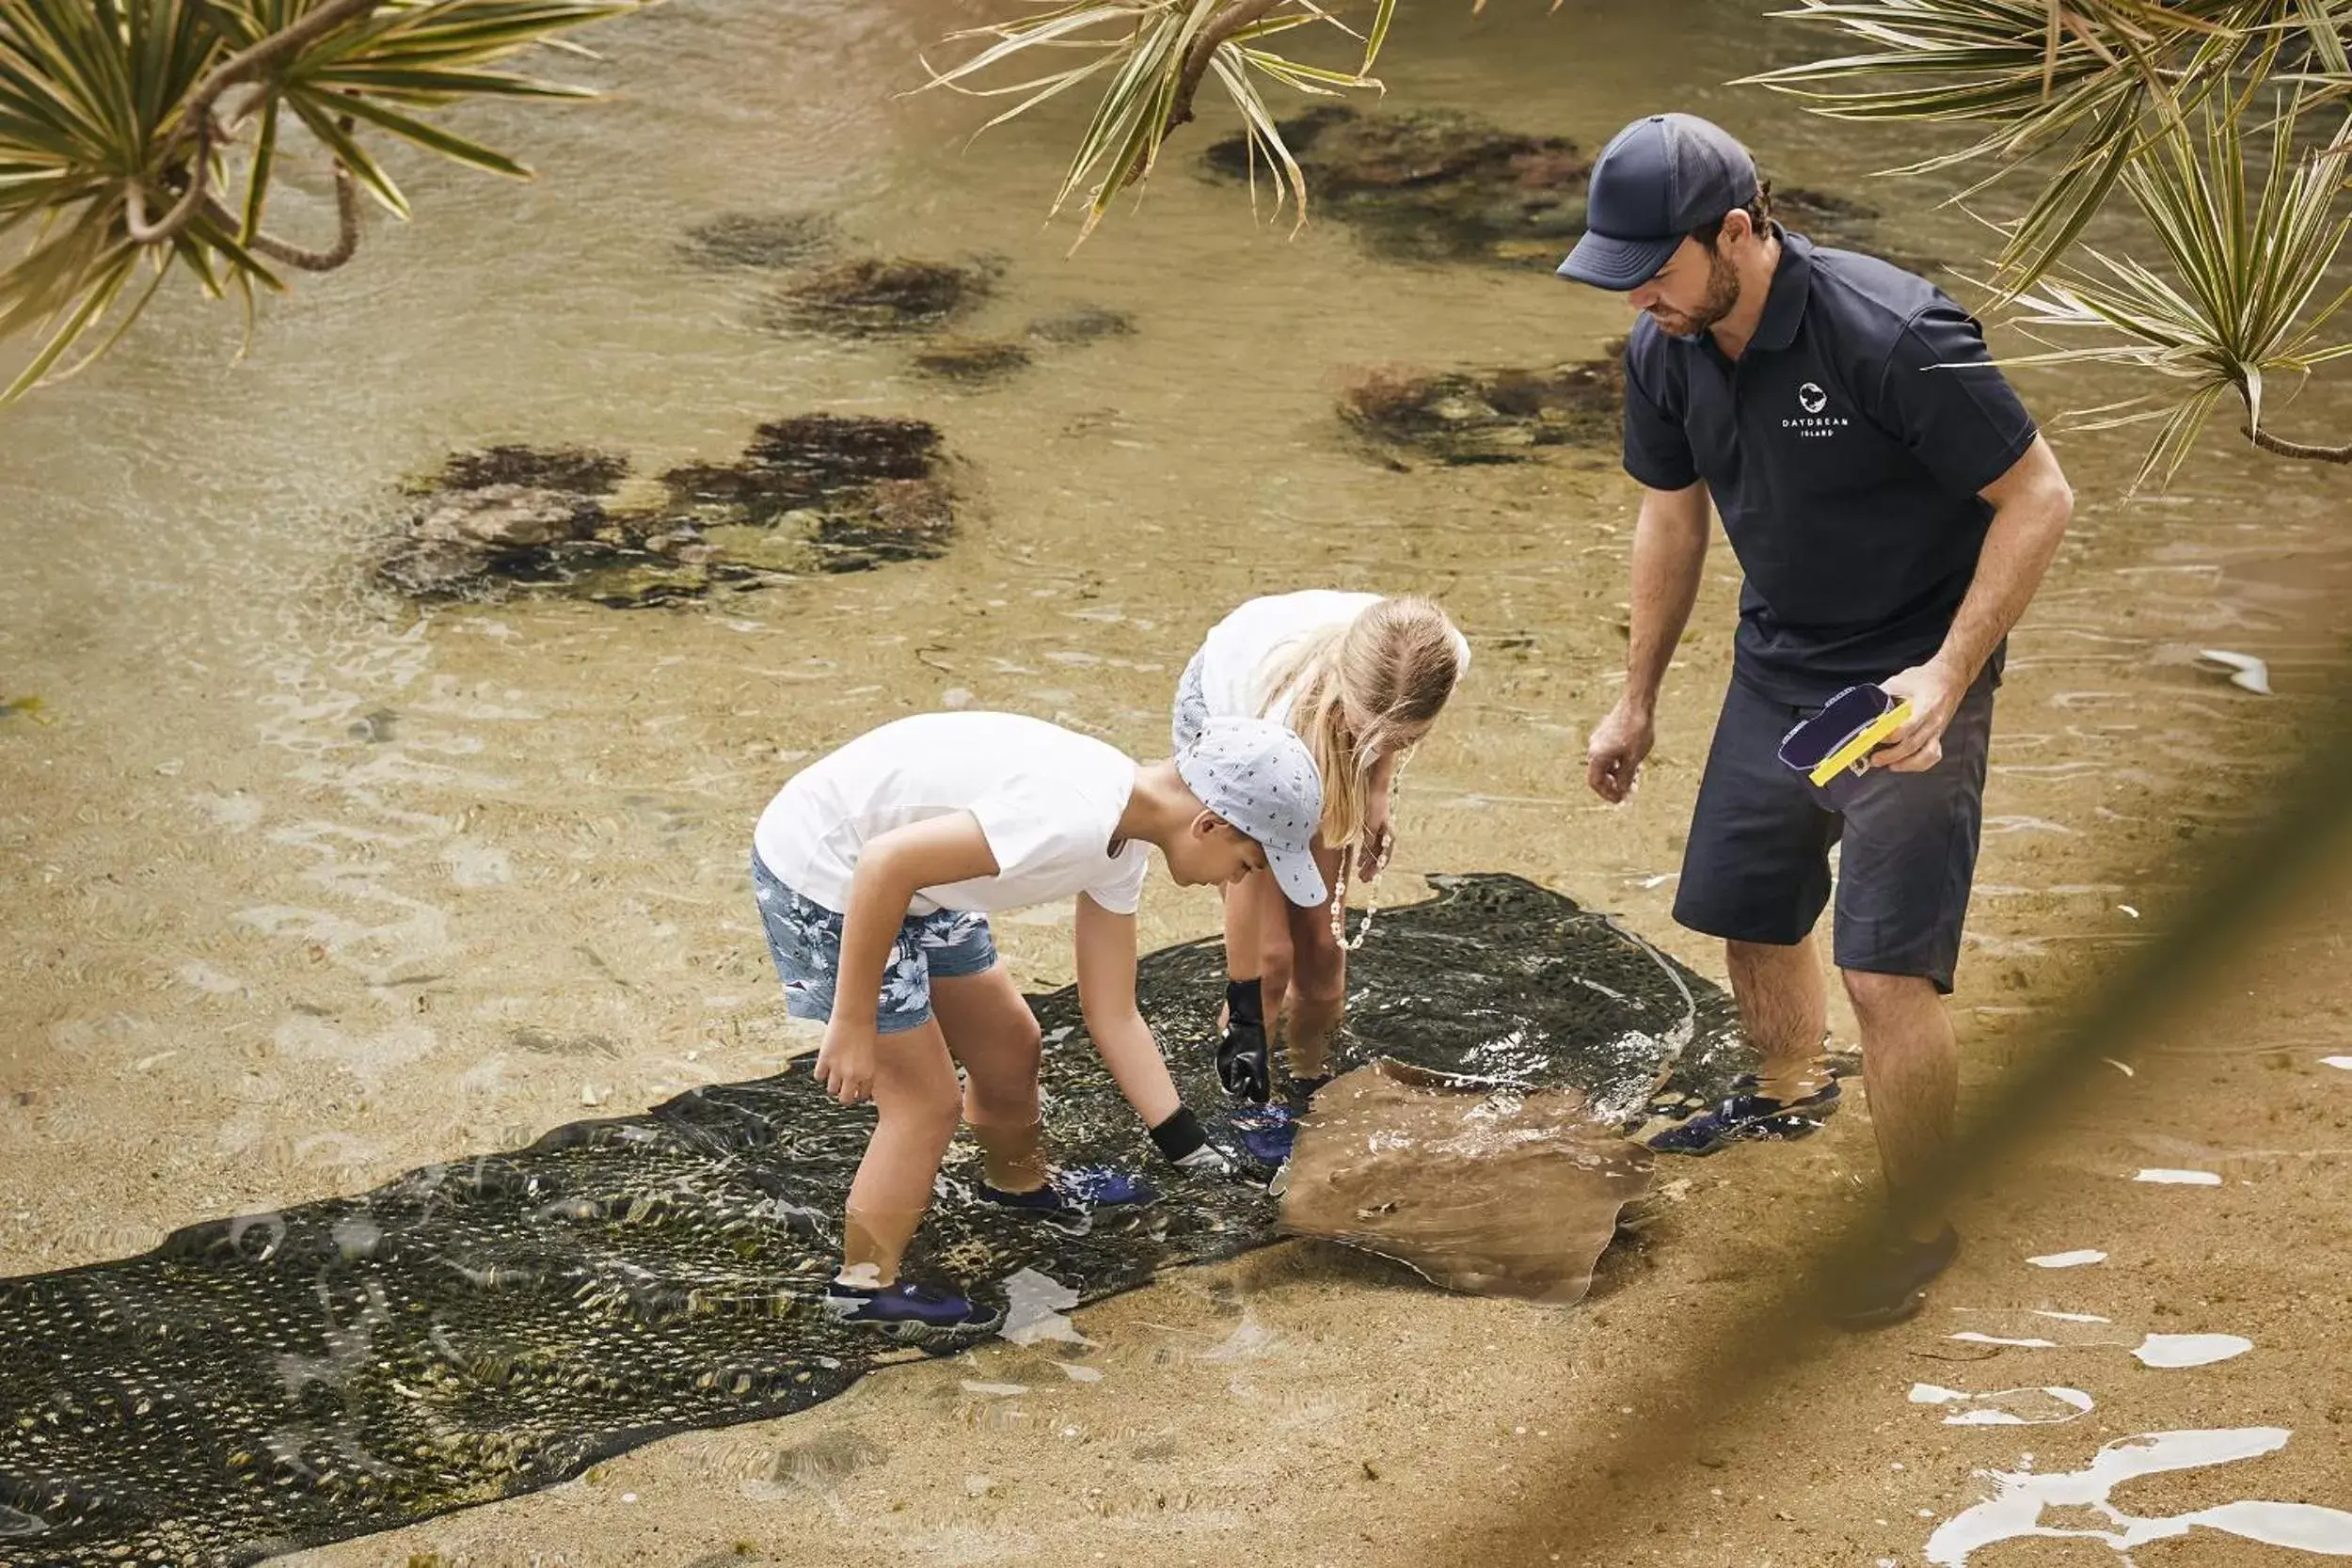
(1783, 1009)
(1911, 1066)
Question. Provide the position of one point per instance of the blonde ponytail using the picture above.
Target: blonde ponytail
(1396, 665)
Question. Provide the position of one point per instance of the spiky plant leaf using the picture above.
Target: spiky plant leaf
(117, 121)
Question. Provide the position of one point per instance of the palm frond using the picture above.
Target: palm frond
(2070, 89)
(2240, 301)
(114, 145)
(1159, 52)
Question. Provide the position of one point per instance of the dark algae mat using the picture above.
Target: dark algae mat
(494, 1325)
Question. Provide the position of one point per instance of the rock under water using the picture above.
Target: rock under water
(1432, 185)
(1442, 185)
(1400, 415)
(812, 494)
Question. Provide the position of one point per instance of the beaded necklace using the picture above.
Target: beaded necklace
(1379, 863)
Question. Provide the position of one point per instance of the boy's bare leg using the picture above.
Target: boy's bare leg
(990, 1030)
(1318, 977)
(916, 1102)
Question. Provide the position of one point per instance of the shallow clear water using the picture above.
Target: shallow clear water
(304, 887)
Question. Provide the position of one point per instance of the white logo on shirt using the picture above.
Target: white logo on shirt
(1814, 424)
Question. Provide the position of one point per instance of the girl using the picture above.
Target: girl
(874, 868)
(1360, 679)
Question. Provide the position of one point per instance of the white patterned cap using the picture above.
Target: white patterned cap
(1259, 777)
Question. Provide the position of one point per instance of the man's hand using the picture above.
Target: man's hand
(1934, 691)
(1620, 743)
(845, 1063)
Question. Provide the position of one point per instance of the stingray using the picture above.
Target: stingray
(489, 1326)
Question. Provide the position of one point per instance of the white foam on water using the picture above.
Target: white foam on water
(1250, 1340)
(998, 1390)
(2072, 1317)
(2014, 1510)
(2190, 1350)
(2181, 1177)
(2075, 1259)
(2344, 1062)
(2247, 672)
(1033, 1309)
(2006, 1407)
(1971, 1337)
(211, 981)
(370, 1058)
(473, 865)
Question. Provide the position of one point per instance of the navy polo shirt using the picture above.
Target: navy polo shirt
(1845, 464)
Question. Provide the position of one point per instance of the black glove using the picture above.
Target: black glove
(1244, 1062)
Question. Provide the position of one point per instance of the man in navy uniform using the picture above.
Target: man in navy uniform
(1893, 508)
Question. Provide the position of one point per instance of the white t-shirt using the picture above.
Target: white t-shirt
(1250, 645)
(1048, 801)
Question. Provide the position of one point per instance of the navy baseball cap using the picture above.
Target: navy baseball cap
(1657, 180)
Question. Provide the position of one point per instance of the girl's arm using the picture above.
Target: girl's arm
(892, 867)
(1106, 997)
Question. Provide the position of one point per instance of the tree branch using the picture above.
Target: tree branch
(1237, 15)
(346, 230)
(266, 53)
(2280, 447)
(183, 211)
(196, 118)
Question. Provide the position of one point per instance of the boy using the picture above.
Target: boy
(875, 868)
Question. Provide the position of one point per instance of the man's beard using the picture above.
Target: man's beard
(1720, 299)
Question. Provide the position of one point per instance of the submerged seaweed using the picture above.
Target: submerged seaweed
(1082, 323)
(1433, 184)
(494, 1325)
(802, 462)
(568, 471)
(868, 296)
(970, 360)
(1441, 186)
(816, 493)
(764, 241)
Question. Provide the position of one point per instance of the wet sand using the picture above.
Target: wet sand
(306, 889)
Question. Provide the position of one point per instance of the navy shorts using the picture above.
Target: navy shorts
(804, 938)
(1757, 866)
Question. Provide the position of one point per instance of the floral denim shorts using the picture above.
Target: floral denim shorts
(804, 938)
